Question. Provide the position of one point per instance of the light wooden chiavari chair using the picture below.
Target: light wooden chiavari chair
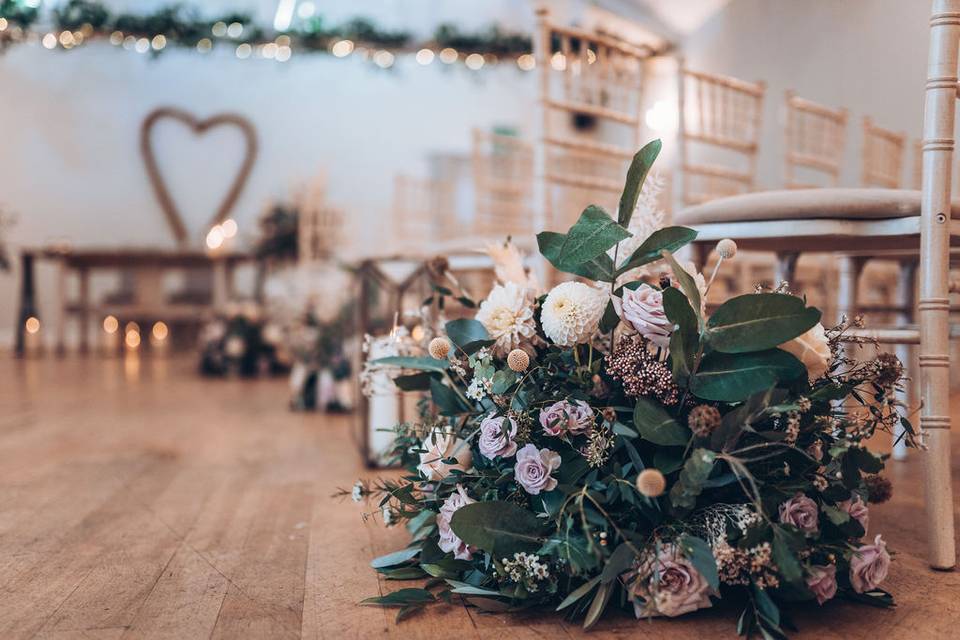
(589, 124)
(815, 137)
(719, 133)
(503, 186)
(422, 214)
(883, 152)
(869, 222)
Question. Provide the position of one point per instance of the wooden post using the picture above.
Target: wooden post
(84, 310)
(934, 305)
(28, 305)
(63, 303)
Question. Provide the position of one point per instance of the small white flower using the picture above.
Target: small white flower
(571, 313)
(479, 388)
(357, 493)
(387, 515)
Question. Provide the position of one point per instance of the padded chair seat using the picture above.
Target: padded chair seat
(806, 204)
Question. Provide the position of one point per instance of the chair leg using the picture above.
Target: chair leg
(786, 267)
(849, 269)
(906, 284)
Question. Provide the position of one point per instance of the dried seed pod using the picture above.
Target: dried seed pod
(703, 420)
(439, 348)
(651, 483)
(518, 360)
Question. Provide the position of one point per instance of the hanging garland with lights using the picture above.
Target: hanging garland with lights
(78, 22)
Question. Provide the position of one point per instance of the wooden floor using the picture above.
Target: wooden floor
(139, 500)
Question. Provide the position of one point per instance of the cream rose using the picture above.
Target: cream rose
(673, 587)
(812, 349)
(439, 447)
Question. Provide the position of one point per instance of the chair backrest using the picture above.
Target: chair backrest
(883, 152)
(719, 117)
(418, 207)
(590, 103)
(815, 136)
(503, 185)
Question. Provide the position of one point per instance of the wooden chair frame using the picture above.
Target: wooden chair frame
(883, 152)
(503, 186)
(570, 52)
(815, 136)
(726, 115)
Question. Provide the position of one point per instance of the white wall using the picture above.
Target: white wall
(866, 55)
(70, 168)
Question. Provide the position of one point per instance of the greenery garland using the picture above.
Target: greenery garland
(184, 27)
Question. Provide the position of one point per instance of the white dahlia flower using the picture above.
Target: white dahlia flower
(507, 315)
(571, 313)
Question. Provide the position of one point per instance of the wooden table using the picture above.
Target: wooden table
(149, 266)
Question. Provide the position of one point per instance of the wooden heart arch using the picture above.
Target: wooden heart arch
(157, 181)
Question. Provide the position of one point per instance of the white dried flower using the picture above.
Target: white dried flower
(571, 313)
(726, 248)
(507, 315)
(357, 493)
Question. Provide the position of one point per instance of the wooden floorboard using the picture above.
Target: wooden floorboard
(141, 501)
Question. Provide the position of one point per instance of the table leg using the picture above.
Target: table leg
(84, 310)
(28, 306)
(62, 304)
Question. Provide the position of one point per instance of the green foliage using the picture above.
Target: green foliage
(656, 425)
(599, 268)
(499, 528)
(468, 334)
(650, 250)
(685, 340)
(409, 362)
(687, 284)
(700, 554)
(696, 470)
(759, 321)
(636, 175)
(734, 377)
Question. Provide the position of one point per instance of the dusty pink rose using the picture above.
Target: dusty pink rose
(869, 566)
(642, 310)
(857, 510)
(674, 587)
(534, 467)
(822, 581)
(449, 541)
(574, 417)
(496, 437)
(439, 447)
(801, 512)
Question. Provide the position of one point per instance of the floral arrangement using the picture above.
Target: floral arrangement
(609, 444)
(239, 342)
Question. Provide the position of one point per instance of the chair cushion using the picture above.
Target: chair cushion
(803, 204)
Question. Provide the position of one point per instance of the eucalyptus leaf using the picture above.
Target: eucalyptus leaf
(599, 268)
(599, 604)
(734, 377)
(619, 561)
(410, 362)
(499, 528)
(687, 284)
(401, 598)
(593, 234)
(447, 401)
(579, 593)
(467, 333)
(415, 381)
(656, 425)
(650, 250)
(685, 340)
(759, 321)
(636, 175)
(395, 558)
(699, 553)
